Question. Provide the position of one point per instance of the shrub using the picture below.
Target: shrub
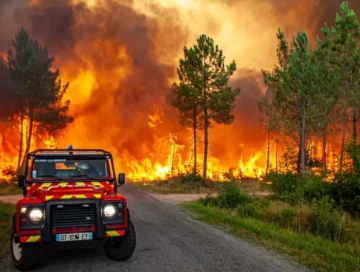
(283, 183)
(209, 201)
(286, 187)
(314, 187)
(230, 196)
(250, 209)
(326, 219)
(278, 212)
(346, 192)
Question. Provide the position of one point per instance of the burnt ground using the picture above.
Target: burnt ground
(168, 240)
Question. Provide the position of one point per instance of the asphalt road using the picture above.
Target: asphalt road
(168, 240)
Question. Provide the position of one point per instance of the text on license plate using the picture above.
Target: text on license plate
(74, 237)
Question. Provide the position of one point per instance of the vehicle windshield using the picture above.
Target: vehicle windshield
(62, 168)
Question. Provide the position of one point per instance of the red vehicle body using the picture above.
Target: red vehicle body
(68, 206)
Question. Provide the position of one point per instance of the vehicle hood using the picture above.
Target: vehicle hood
(69, 190)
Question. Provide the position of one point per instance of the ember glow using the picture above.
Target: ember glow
(120, 59)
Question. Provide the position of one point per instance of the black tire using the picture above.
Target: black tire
(28, 257)
(121, 248)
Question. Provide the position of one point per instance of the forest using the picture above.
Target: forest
(313, 94)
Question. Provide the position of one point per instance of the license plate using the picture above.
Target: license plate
(74, 237)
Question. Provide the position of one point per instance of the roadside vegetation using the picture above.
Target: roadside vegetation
(6, 212)
(300, 222)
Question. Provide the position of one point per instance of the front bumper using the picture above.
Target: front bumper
(48, 232)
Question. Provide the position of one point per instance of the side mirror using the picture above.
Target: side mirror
(21, 181)
(121, 179)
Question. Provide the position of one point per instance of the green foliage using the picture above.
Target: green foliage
(325, 220)
(302, 205)
(346, 192)
(318, 216)
(208, 74)
(230, 197)
(283, 185)
(253, 208)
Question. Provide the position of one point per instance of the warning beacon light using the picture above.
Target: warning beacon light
(69, 147)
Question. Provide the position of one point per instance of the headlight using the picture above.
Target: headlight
(109, 210)
(36, 215)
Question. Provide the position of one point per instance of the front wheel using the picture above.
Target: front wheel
(121, 248)
(25, 257)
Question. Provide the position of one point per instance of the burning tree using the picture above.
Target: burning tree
(38, 91)
(204, 88)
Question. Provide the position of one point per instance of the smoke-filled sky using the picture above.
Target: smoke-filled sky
(120, 58)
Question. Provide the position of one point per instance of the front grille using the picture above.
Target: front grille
(72, 215)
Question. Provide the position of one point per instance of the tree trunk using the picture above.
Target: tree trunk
(28, 142)
(21, 140)
(172, 157)
(342, 146)
(354, 120)
(268, 152)
(276, 155)
(324, 152)
(302, 141)
(194, 138)
(298, 161)
(205, 145)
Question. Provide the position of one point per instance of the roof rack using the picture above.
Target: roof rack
(67, 151)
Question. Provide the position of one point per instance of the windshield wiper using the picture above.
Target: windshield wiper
(49, 176)
(80, 176)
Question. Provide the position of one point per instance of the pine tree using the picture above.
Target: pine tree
(208, 78)
(39, 91)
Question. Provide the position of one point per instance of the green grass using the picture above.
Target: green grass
(313, 251)
(9, 189)
(6, 212)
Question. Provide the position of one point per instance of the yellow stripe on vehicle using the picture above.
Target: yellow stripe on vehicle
(66, 196)
(97, 195)
(112, 233)
(96, 183)
(80, 196)
(63, 184)
(48, 197)
(71, 196)
(80, 183)
(45, 185)
(33, 239)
